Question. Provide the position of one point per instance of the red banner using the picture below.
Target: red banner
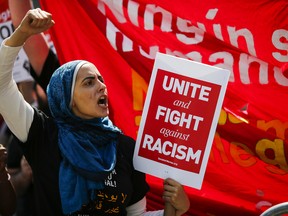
(247, 169)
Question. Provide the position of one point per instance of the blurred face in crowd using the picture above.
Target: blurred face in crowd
(90, 97)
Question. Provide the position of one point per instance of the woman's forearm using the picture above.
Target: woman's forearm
(17, 113)
(17, 39)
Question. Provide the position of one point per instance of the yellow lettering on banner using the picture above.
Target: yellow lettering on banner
(139, 90)
(276, 170)
(235, 119)
(222, 118)
(219, 146)
(276, 125)
(278, 149)
(239, 152)
(242, 155)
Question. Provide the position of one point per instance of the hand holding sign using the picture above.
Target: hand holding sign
(175, 195)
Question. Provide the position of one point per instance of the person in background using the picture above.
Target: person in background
(40, 52)
(20, 70)
(21, 177)
(7, 194)
(20, 171)
(76, 153)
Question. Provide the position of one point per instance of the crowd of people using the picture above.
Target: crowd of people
(62, 147)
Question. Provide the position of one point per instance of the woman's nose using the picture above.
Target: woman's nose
(102, 86)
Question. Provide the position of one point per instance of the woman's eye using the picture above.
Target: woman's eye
(88, 83)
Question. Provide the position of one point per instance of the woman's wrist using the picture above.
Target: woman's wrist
(18, 38)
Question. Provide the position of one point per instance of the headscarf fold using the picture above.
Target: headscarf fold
(88, 147)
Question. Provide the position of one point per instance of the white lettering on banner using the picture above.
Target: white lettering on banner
(228, 62)
(196, 33)
(150, 11)
(133, 9)
(278, 38)
(245, 61)
(152, 52)
(187, 27)
(115, 6)
(279, 77)
(183, 87)
(175, 117)
(245, 33)
(174, 150)
(127, 44)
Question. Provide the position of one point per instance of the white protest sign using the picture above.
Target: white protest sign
(21, 69)
(179, 119)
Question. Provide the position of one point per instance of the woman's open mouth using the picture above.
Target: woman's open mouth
(103, 102)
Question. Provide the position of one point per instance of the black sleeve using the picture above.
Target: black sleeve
(140, 186)
(41, 141)
(14, 153)
(50, 65)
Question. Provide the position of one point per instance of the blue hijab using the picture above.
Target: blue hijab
(88, 147)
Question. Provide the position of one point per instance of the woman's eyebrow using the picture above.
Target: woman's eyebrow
(92, 77)
(100, 78)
